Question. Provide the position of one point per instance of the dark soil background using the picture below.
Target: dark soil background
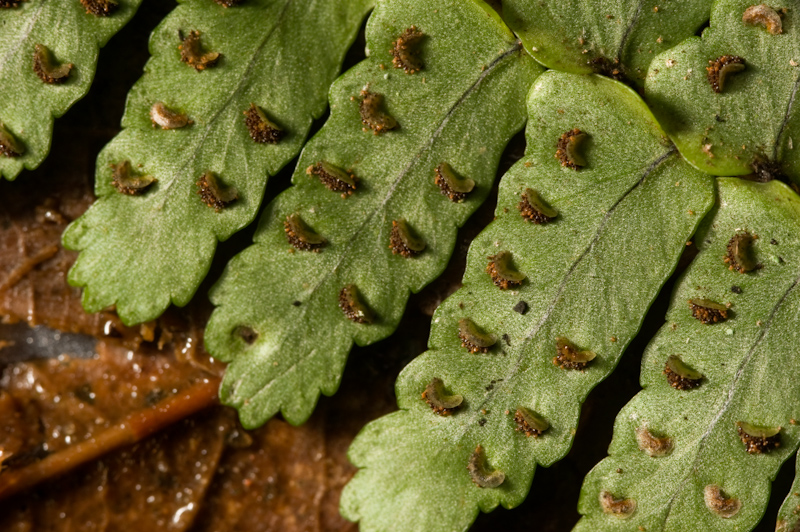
(370, 374)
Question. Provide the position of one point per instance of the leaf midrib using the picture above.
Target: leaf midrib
(786, 116)
(348, 247)
(628, 30)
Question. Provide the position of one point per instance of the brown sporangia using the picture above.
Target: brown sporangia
(405, 51)
(192, 52)
(708, 311)
(473, 338)
(403, 242)
(451, 185)
(261, 128)
(651, 444)
(502, 272)
(568, 149)
(126, 182)
(534, 209)
(739, 255)
(765, 170)
(247, 334)
(480, 472)
(228, 3)
(720, 503)
(618, 507)
(610, 69)
(439, 400)
(529, 422)
(301, 236)
(758, 440)
(9, 145)
(680, 376)
(46, 68)
(720, 68)
(100, 8)
(569, 357)
(763, 15)
(333, 177)
(353, 306)
(213, 193)
(165, 118)
(10, 3)
(373, 114)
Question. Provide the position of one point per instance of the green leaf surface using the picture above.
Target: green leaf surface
(461, 108)
(756, 116)
(601, 36)
(591, 275)
(144, 252)
(28, 105)
(751, 374)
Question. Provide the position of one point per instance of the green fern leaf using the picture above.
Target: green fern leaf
(698, 451)
(752, 124)
(278, 319)
(142, 252)
(591, 273)
(58, 34)
(616, 38)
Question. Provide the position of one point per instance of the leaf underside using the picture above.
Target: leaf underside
(756, 117)
(591, 275)
(461, 108)
(750, 375)
(603, 36)
(28, 105)
(146, 251)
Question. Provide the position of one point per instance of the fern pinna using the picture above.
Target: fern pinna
(48, 56)
(559, 284)
(222, 105)
(698, 447)
(410, 151)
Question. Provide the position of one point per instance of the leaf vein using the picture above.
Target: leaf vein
(629, 29)
(787, 114)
